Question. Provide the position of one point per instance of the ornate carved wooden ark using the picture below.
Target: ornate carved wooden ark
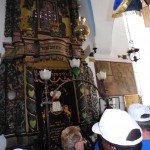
(43, 38)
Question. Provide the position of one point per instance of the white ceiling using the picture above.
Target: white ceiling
(110, 35)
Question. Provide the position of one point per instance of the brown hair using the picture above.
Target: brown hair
(69, 137)
(144, 125)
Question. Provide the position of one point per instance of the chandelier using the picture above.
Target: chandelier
(134, 54)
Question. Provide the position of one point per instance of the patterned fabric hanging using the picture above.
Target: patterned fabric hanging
(121, 6)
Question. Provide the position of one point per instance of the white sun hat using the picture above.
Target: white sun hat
(115, 125)
(137, 110)
(2, 142)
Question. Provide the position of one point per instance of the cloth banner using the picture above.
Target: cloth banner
(121, 6)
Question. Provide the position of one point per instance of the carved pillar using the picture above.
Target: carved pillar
(30, 97)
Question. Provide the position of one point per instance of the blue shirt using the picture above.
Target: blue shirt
(96, 147)
(145, 145)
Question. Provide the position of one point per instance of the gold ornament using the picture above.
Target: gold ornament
(81, 31)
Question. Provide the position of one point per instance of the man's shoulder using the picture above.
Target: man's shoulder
(145, 144)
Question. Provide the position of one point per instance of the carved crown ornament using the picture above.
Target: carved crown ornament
(81, 31)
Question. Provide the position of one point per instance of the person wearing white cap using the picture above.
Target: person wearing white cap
(141, 114)
(118, 131)
(2, 142)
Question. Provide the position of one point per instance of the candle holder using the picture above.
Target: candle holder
(45, 75)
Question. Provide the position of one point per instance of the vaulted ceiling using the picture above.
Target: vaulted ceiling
(108, 33)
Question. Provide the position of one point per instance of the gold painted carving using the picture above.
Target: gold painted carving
(54, 62)
(51, 48)
(29, 60)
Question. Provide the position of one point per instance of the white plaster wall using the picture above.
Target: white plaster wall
(141, 38)
(2, 24)
(104, 25)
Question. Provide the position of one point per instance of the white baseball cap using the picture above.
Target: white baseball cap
(137, 110)
(115, 125)
(2, 142)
